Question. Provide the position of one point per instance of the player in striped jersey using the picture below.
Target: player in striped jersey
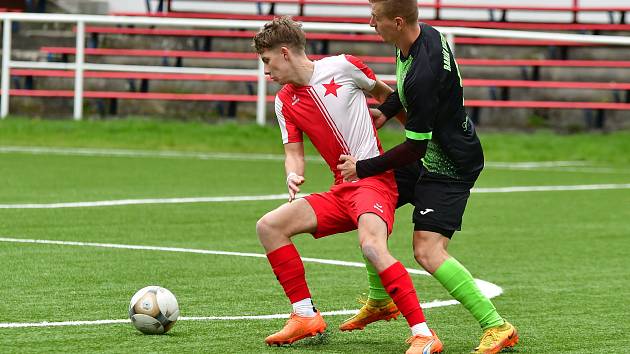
(325, 100)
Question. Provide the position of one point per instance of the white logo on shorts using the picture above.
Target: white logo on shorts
(378, 207)
(426, 211)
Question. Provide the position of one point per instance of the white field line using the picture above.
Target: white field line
(427, 305)
(69, 151)
(105, 203)
(537, 164)
(582, 187)
(603, 170)
(487, 288)
(102, 203)
(146, 153)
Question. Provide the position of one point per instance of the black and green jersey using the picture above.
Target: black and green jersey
(430, 90)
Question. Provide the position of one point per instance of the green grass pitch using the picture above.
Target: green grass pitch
(561, 257)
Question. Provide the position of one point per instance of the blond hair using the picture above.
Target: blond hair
(407, 9)
(281, 31)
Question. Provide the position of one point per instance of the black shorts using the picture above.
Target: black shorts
(439, 201)
(406, 180)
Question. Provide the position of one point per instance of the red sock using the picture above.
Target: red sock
(398, 284)
(289, 270)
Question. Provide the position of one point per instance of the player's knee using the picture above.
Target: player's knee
(265, 228)
(423, 252)
(429, 256)
(422, 256)
(372, 250)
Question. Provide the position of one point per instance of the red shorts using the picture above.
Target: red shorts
(338, 210)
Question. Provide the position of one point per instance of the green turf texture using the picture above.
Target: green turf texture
(560, 257)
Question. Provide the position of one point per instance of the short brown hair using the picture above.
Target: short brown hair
(407, 9)
(281, 31)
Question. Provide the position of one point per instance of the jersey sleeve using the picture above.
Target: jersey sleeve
(422, 97)
(290, 132)
(361, 74)
(391, 106)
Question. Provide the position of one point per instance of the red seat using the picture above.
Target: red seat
(347, 37)
(253, 78)
(366, 58)
(253, 98)
(549, 26)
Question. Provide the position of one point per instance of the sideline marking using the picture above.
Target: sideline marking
(101, 203)
(147, 153)
(579, 187)
(104, 203)
(71, 151)
(488, 289)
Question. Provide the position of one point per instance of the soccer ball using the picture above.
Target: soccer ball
(153, 310)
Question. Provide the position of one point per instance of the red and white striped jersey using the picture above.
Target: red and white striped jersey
(331, 110)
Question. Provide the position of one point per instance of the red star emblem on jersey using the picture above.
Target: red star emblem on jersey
(331, 87)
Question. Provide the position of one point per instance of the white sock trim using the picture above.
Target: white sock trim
(421, 329)
(304, 308)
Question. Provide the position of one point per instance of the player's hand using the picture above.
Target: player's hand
(348, 167)
(293, 181)
(378, 117)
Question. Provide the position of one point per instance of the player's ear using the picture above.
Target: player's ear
(285, 52)
(400, 22)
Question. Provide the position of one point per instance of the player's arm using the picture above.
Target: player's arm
(387, 97)
(391, 107)
(294, 167)
(380, 91)
(403, 154)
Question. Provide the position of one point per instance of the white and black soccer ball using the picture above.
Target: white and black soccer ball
(153, 310)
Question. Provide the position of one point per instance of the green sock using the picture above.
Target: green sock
(377, 290)
(461, 285)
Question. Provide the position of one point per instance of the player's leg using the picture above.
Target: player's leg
(275, 230)
(430, 252)
(373, 240)
(439, 209)
(378, 305)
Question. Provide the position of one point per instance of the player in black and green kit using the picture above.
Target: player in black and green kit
(440, 135)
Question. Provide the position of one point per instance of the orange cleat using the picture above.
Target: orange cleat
(297, 328)
(496, 339)
(371, 311)
(424, 344)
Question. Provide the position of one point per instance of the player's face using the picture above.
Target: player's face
(277, 65)
(383, 25)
